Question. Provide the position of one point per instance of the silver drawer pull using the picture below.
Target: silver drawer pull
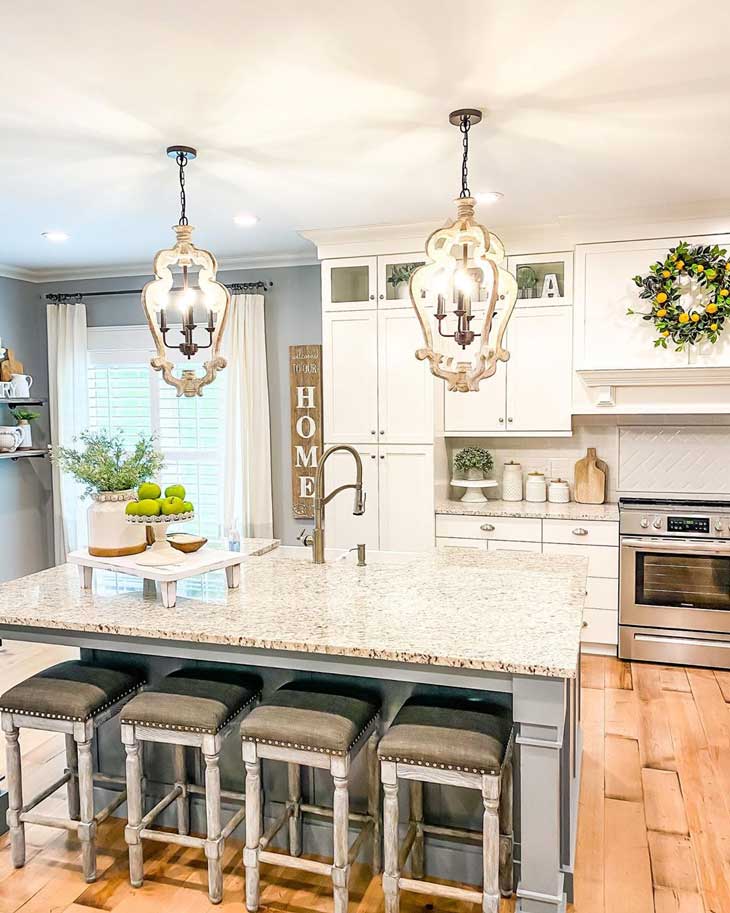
(487, 528)
(580, 531)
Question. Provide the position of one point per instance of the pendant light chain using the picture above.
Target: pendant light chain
(464, 127)
(182, 160)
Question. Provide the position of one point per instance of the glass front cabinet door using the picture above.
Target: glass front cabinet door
(543, 279)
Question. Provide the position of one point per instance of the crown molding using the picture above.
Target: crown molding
(16, 272)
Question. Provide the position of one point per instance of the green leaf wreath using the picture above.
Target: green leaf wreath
(708, 269)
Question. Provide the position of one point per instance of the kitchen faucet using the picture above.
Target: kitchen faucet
(321, 500)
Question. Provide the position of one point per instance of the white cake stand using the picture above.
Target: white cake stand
(474, 488)
(160, 553)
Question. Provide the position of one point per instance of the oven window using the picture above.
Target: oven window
(692, 581)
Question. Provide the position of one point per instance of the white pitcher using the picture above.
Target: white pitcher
(10, 438)
(22, 384)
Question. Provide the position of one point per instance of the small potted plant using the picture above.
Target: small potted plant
(473, 463)
(24, 417)
(110, 475)
(400, 275)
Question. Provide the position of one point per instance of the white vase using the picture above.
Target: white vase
(474, 475)
(401, 291)
(110, 535)
(27, 440)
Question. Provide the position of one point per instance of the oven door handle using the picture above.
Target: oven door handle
(675, 545)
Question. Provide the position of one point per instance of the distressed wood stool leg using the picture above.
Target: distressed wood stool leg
(213, 843)
(374, 802)
(490, 844)
(253, 825)
(340, 867)
(87, 825)
(72, 787)
(390, 836)
(416, 797)
(182, 803)
(15, 792)
(294, 772)
(506, 840)
(134, 806)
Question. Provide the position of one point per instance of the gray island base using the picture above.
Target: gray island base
(457, 619)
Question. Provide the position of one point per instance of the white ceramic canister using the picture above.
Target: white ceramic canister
(110, 535)
(512, 481)
(558, 491)
(535, 488)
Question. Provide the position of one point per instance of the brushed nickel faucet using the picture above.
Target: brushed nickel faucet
(321, 500)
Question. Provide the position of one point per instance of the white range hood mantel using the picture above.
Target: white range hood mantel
(603, 382)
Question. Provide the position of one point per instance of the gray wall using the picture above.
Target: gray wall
(26, 544)
(293, 317)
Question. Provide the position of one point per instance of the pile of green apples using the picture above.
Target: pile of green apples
(150, 502)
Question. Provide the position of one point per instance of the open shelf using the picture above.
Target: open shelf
(14, 402)
(23, 454)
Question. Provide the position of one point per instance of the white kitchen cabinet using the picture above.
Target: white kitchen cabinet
(350, 376)
(342, 529)
(537, 276)
(406, 497)
(505, 545)
(405, 385)
(349, 284)
(391, 295)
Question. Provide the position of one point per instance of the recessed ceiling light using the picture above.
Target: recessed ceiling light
(55, 236)
(245, 220)
(488, 196)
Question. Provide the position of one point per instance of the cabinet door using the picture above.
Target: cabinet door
(543, 279)
(539, 372)
(405, 385)
(480, 411)
(342, 529)
(350, 376)
(504, 545)
(393, 274)
(349, 284)
(406, 498)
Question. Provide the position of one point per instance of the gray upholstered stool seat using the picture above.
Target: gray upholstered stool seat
(191, 708)
(314, 724)
(74, 698)
(297, 716)
(453, 742)
(194, 700)
(72, 690)
(466, 735)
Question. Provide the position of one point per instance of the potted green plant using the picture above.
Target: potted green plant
(24, 417)
(400, 275)
(110, 474)
(473, 463)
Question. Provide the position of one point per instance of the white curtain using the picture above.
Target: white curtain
(69, 409)
(247, 501)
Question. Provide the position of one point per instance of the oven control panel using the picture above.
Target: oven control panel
(688, 525)
(687, 521)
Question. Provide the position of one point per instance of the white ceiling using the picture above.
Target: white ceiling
(320, 114)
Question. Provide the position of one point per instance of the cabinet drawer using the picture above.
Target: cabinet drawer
(581, 532)
(602, 593)
(501, 545)
(451, 542)
(602, 559)
(600, 627)
(512, 528)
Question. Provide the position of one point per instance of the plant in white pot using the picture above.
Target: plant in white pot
(472, 464)
(110, 475)
(400, 275)
(25, 418)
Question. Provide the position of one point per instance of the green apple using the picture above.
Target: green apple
(187, 507)
(175, 491)
(148, 508)
(132, 509)
(148, 491)
(171, 506)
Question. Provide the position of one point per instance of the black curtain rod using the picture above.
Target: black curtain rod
(236, 287)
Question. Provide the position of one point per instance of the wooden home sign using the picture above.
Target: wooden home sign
(305, 394)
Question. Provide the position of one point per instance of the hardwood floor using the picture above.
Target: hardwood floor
(654, 828)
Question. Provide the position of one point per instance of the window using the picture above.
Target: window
(125, 393)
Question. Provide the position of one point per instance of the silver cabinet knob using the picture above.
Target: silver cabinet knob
(372, 297)
(510, 419)
(501, 419)
(373, 431)
(382, 432)
(372, 456)
(579, 531)
(487, 527)
(382, 456)
(382, 297)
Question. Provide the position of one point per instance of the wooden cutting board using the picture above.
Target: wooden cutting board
(590, 479)
(10, 366)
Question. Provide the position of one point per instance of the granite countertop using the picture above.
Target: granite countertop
(458, 607)
(546, 511)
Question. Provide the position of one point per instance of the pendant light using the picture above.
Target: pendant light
(185, 299)
(464, 273)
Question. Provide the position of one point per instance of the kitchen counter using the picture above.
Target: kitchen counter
(546, 511)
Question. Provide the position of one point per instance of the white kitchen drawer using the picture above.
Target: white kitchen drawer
(451, 542)
(602, 559)
(501, 545)
(602, 593)
(521, 529)
(581, 532)
(601, 627)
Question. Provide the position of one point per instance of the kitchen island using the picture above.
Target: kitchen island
(505, 623)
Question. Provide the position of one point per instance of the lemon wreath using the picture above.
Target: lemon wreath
(689, 293)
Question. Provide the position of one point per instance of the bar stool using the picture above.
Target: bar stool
(195, 708)
(75, 698)
(306, 723)
(456, 743)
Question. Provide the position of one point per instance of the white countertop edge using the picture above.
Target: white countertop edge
(538, 511)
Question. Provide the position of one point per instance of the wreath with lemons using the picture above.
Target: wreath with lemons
(689, 293)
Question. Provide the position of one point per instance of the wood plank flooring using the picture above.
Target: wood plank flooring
(654, 826)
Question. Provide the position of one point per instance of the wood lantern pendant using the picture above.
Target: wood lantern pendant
(207, 300)
(464, 274)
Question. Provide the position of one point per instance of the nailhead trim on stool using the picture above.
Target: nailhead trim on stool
(76, 719)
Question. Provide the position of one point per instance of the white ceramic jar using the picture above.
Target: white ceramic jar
(110, 535)
(512, 482)
(535, 488)
(558, 491)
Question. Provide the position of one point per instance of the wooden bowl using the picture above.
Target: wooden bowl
(189, 546)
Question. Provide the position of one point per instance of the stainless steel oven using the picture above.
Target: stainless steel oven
(675, 582)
